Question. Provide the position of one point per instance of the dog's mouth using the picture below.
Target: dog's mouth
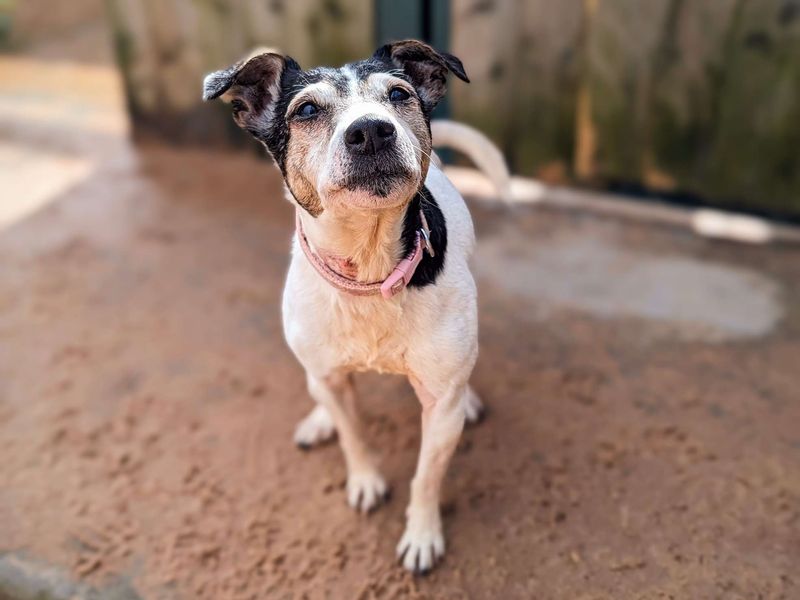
(380, 183)
(375, 186)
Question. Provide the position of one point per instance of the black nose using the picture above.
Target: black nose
(369, 135)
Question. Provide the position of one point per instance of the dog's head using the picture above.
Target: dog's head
(357, 136)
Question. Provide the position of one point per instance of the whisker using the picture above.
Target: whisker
(430, 158)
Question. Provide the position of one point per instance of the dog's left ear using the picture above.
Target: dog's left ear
(254, 86)
(425, 67)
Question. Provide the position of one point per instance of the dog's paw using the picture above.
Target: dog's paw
(317, 427)
(366, 490)
(421, 546)
(473, 407)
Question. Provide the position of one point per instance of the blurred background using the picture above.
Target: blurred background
(639, 308)
(696, 100)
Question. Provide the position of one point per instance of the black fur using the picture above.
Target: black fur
(430, 267)
(219, 82)
(276, 139)
(424, 67)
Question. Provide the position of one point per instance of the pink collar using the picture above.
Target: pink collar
(397, 280)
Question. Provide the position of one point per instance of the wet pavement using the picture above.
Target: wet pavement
(643, 439)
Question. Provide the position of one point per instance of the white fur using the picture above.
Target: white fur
(429, 334)
(426, 325)
(315, 428)
(322, 93)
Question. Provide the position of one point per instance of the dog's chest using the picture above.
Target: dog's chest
(370, 335)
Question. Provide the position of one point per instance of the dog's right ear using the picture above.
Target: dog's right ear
(254, 87)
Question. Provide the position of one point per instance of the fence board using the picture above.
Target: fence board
(165, 47)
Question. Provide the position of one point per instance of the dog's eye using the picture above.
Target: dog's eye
(398, 94)
(307, 110)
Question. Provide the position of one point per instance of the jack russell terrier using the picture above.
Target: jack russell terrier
(379, 276)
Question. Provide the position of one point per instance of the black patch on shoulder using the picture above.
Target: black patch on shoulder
(429, 267)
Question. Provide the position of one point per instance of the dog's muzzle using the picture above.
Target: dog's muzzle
(374, 159)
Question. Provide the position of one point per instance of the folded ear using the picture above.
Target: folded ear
(425, 67)
(254, 87)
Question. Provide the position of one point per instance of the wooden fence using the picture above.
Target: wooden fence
(687, 96)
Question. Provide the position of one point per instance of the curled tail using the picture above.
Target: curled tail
(478, 148)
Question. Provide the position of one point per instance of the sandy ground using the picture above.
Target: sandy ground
(643, 439)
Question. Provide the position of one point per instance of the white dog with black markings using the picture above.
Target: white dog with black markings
(379, 277)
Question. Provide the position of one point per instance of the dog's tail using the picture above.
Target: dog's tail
(478, 148)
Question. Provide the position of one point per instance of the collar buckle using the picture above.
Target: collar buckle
(425, 233)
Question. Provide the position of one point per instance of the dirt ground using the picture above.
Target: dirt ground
(643, 439)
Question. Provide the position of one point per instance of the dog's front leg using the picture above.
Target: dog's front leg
(442, 423)
(366, 488)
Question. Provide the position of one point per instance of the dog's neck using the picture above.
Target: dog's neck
(364, 245)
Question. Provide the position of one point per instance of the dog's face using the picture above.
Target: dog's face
(353, 137)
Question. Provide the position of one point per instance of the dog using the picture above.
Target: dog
(379, 276)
